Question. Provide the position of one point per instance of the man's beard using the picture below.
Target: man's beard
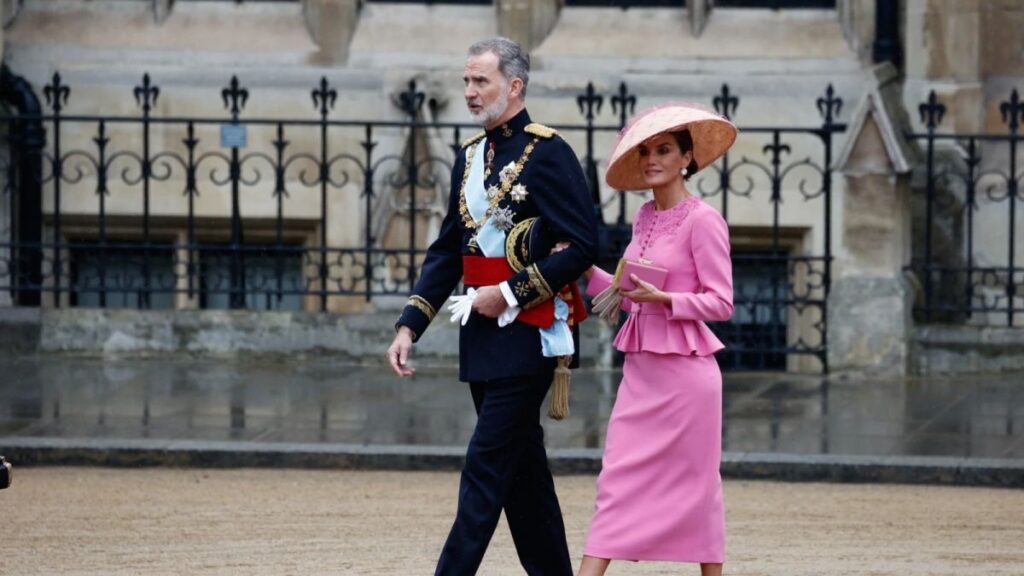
(491, 113)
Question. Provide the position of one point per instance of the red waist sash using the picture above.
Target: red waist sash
(482, 271)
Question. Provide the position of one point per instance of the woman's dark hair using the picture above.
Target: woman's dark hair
(685, 142)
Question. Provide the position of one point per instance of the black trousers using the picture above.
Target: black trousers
(507, 468)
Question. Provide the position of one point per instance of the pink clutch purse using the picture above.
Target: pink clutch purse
(644, 270)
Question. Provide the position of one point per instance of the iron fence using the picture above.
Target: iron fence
(163, 211)
(676, 4)
(966, 257)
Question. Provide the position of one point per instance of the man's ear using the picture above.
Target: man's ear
(516, 88)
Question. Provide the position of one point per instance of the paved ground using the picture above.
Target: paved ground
(189, 521)
(84, 520)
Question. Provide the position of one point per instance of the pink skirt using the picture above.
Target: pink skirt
(659, 494)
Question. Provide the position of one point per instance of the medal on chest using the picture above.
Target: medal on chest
(490, 160)
(499, 217)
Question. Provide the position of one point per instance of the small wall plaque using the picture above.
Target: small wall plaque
(233, 135)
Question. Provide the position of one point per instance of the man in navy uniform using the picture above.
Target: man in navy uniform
(515, 182)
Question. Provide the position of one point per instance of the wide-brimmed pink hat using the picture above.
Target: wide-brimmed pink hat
(711, 133)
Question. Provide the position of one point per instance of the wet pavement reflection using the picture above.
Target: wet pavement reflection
(316, 400)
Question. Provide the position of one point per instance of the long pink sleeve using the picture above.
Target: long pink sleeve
(710, 245)
(600, 280)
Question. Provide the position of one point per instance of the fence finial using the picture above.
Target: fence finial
(725, 103)
(830, 105)
(56, 93)
(411, 100)
(588, 101)
(932, 111)
(324, 97)
(1012, 111)
(623, 104)
(238, 96)
(146, 94)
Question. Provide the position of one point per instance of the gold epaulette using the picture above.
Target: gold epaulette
(540, 130)
(476, 138)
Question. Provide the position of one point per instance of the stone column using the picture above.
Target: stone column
(332, 24)
(527, 21)
(698, 12)
(870, 303)
(944, 44)
(857, 17)
(161, 10)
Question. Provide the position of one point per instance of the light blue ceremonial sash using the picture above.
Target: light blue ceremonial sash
(490, 239)
(555, 340)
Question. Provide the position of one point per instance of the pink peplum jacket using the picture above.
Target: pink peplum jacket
(691, 240)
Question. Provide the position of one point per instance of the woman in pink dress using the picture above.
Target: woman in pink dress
(659, 494)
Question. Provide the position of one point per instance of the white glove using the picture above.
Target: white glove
(462, 306)
(508, 316)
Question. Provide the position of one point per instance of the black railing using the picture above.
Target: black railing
(776, 4)
(154, 211)
(680, 4)
(781, 288)
(431, 2)
(965, 255)
(626, 4)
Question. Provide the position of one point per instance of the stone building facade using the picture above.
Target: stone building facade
(778, 62)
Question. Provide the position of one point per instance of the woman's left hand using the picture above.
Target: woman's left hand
(645, 292)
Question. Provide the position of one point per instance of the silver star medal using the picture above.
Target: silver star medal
(519, 193)
(493, 190)
(509, 172)
(502, 219)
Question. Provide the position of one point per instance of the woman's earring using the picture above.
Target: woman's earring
(684, 172)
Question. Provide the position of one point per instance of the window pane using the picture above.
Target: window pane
(760, 288)
(272, 280)
(775, 4)
(118, 271)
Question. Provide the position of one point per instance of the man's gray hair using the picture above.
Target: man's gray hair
(513, 61)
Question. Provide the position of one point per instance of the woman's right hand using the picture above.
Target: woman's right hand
(559, 246)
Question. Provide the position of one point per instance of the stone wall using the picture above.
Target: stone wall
(944, 350)
(970, 52)
(356, 338)
(778, 62)
(362, 338)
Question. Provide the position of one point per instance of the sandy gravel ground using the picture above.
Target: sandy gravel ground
(166, 521)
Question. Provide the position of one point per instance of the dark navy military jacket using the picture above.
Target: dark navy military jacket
(557, 192)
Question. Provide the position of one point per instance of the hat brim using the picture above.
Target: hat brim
(712, 136)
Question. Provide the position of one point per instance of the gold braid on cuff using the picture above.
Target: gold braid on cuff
(517, 238)
(544, 291)
(423, 306)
